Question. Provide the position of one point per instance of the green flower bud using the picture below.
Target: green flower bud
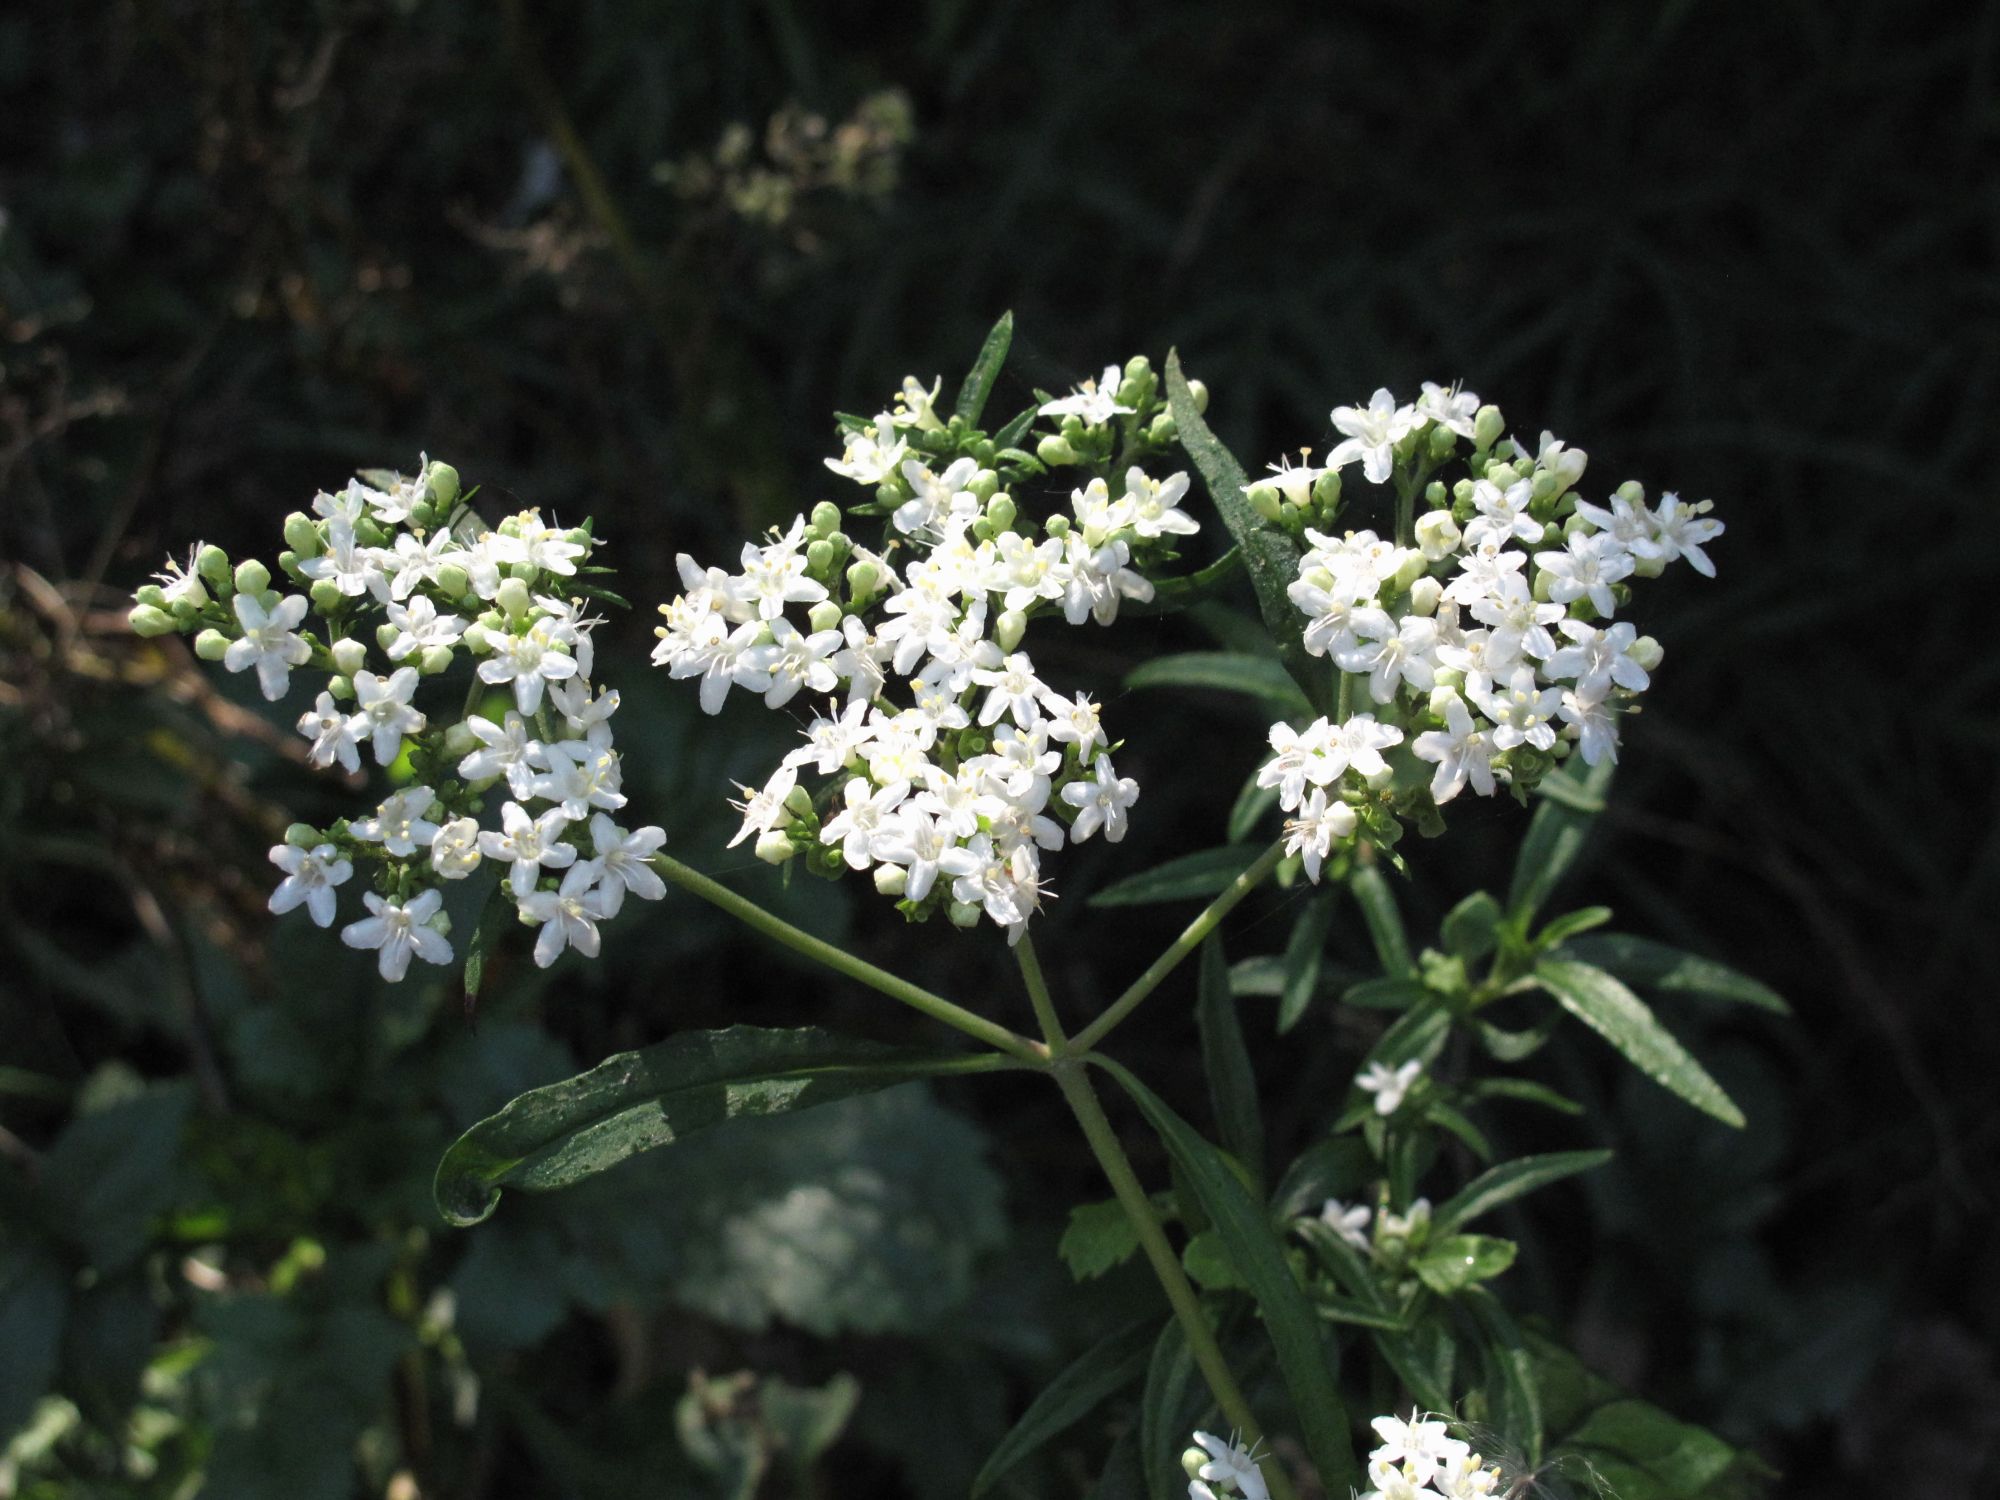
(268, 600)
(349, 656)
(1461, 492)
(1200, 393)
(1424, 596)
(1409, 570)
(452, 581)
(288, 564)
(1192, 1461)
(442, 481)
(799, 802)
(212, 563)
(774, 848)
(891, 880)
(1435, 494)
(341, 686)
(1544, 487)
(514, 598)
(1648, 567)
(1503, 475)
(1326, 490)
(252, 577)
(1000, 511)
(861, 579)
(819, 558)
(982, 530)
(1631, 490)
(435, 659)
(422, 516)
(985, 484)
(1449, 677)
(1056, 526)
(1442, 440)
(1647, 652)
(303, 836)
(824, 615)
(302, 534)
(210, 645)
(368, 531)
(1442, 698)
(386, 636)
(1138, 367)
(1164, 430)
(150, 593)
(1264, 499)
(150, 620)
(890, 495)
(475, 639)
(1072, 429)
(459, 740)
(1008, 628)
(825, 519)
(185, 612)
(1542, 584)
(1055, 451)
(1487, 425)
(962, 915)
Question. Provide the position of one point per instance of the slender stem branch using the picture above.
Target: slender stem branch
(1038, 995)
(842, 962)
(1182, 946)
(1077, 1091)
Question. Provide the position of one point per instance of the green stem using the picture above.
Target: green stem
(1038, 995)
(1082, 1099)
(842, 962)
(1182, 946)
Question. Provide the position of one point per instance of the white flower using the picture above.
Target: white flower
(792, 660)
(1074, 721)
(1682, 530)
(1015, 691)
(916, 841)
(623, 862)
(1388, 1084)
(1301, 758)
(1359, 743)
(1095, 401)
(1519, 623)
(915, 406)
(1416, 1446)
(182, 584)
(1232, 1464)
(530, 661)
(347, 505)
(1154, 503)
(1503, 514)
(354, 569)
(412, 563)
(1349, 1221)
(859, 663)
(1596, 659)
(1372, 432)
(1099, 579)
(1462, 750)
(872, 454)
(1294, 482)
(1587, 568)
(399, 824)
(568, 915)
(933, 497)
(1566, 464)
(1437, 535)
(1481, 572)
(764, 810)
(310, 878)
(1391, 652)
(1520, 711)
(455, 848)
(864, 816)
(419, 627)
(397, 932)
(1322, 821)
(775, 575)
(580, 775)
(332, 734)
(383, 711)
(269, 643)
(1027, 570)
(1449, 407)
(528, 843)
(1101, 802)
(1098, 516)
(547, 548)
(1595, 720)
(509, 750)
(1627, 522)
(583, 714)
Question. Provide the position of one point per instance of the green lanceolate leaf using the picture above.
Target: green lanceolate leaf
(1345, 1264)
(1569, 925)
(1171, 595)
(1259, 1258)
(1191, 877)
(1173, 1397)
(564, 1132)
(1385, 922)
(1232, 1082)
(1305, 953)
(1451, 1264)
(1510, 1372)
(1527, 1091)
(1100, 1372)
(1511, 1180)
(985, 370)
(1622, 1019)
(1251, 804)
(485, 930)
(1386, 994)
(1261, 677)
(1471, 929)
(1271, 556)
(1656, 966)
(1555, 838)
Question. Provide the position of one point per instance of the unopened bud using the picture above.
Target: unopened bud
(341, 686)
(326, 595)
(252, 577)
(1326, 490)
(1192, 1462)
(349, 656)
(302, 534)
(1053, 450)
(1008, 628)
(514, 598)
(1449, 677)
(1487, 425)
(982, 530)
(210, 645)
(302, 836)
(775, 847)
(476, 639)
(1442, 698)
(368, 531)
(819, 558)
(824, 615)
(1265, 501)
(386, 635)
(150, 593)
(1437, 535)
(799, 802)
(1647, 652)
(435, 659)
(861, 579)
(1425, 593)
(288, 564)
(891, 880)
(1632, 492)
(150, 620)
(1200, 393)
(453, 581)
(825, 519)
(1138, 367)
(962, 915)
(1056, 526)
(1409, 567)
(1442, 441)
(442, 482)
(1000, 511)
(985, 484)
(212, 563)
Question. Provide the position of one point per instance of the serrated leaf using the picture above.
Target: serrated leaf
(565, 1132)
(1555, 837)
(1604, 1005)
(1451, 1264)
(1232, 1082)
(1258, 1255)
(1385, 922)
(1270, 555)
(985, 370)
(1098, 1237)
(1305, 955)
(1511, 1180)
(1203, 873)
(1261, 677)
(1207, 1263)
(1657, 966)
(1099, 1373)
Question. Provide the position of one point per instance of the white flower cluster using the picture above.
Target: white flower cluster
(952, 795)
(1218, 1468)
(410, 552)
(1485, 634)
(1419, 1460)
(1392, 1231)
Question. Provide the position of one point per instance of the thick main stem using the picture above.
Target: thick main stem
(842, 962)
(1076, 1089)
(1197, 931)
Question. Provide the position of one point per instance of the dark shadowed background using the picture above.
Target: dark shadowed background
(624, 260)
